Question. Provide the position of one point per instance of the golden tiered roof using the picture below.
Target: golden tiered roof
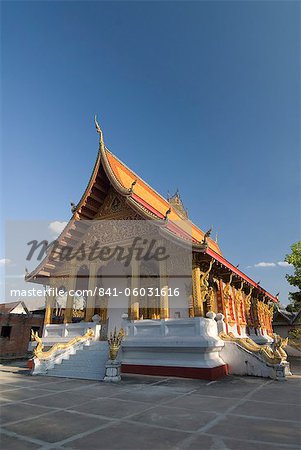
(110, 171)
(156, 205)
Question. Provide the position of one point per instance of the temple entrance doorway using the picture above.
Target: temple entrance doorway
(149, 300)
(114, 283)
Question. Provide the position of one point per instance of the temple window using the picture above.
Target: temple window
(6, 331)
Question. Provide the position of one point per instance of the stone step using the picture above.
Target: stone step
(85, 359)
(71, 373)
(81, 367)
(87, 362)
(83, 376)
(86, 367)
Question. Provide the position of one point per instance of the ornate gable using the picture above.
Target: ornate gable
(176, 202)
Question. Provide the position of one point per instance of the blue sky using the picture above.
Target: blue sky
(204, 97)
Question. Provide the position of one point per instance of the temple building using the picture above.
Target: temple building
(191, 283)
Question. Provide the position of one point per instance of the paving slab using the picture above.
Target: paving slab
(194, 403)
(63, 399)
(183, 385)
(23, 394)
(289, 393)
(13, 443)
(149, 394)
(7, 387)
(177, 418)
(12, 412)
(141, 379)
(124, 436)
(21, 382)
(234, 444)
(268, 410)
(111, 408)
(232, 387)
(56, 426)
(112, 389)
(258, 429)
(203, 442)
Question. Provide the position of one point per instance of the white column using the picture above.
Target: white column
(135, 284)
(71, 286)
(90, 306)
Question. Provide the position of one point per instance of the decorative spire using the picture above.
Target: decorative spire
(207, 235)
(176, 202)
(99, 131)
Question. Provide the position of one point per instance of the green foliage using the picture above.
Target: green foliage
(294, 258)
(295, 333)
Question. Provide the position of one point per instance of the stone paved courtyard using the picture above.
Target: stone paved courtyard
(148, 413)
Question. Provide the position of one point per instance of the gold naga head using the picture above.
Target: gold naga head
(227, 288)
(279, 341)
(205, 276)
(35, 336)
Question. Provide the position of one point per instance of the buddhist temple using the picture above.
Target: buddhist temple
(188, 299)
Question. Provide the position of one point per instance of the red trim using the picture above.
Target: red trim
(208, 373)
(30, 364)
(171, 225)
(235, 270)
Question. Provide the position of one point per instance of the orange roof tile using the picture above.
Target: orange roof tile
(156, 203)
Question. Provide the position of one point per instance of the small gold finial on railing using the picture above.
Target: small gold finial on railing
(115, 342)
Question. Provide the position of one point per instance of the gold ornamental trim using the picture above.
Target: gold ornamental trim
(227, 291)
(206, 295)
(114, 342)
(40, 354)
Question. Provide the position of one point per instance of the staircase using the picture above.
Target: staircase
(244, 362)
(88, 362)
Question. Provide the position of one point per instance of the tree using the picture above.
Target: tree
(294, 258)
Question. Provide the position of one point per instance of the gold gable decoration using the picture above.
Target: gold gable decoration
(176, 202)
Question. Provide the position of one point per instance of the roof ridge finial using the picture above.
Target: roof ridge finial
(207, 235)
(167, 213)
(99, 131)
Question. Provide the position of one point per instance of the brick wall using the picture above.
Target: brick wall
(21, 324)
